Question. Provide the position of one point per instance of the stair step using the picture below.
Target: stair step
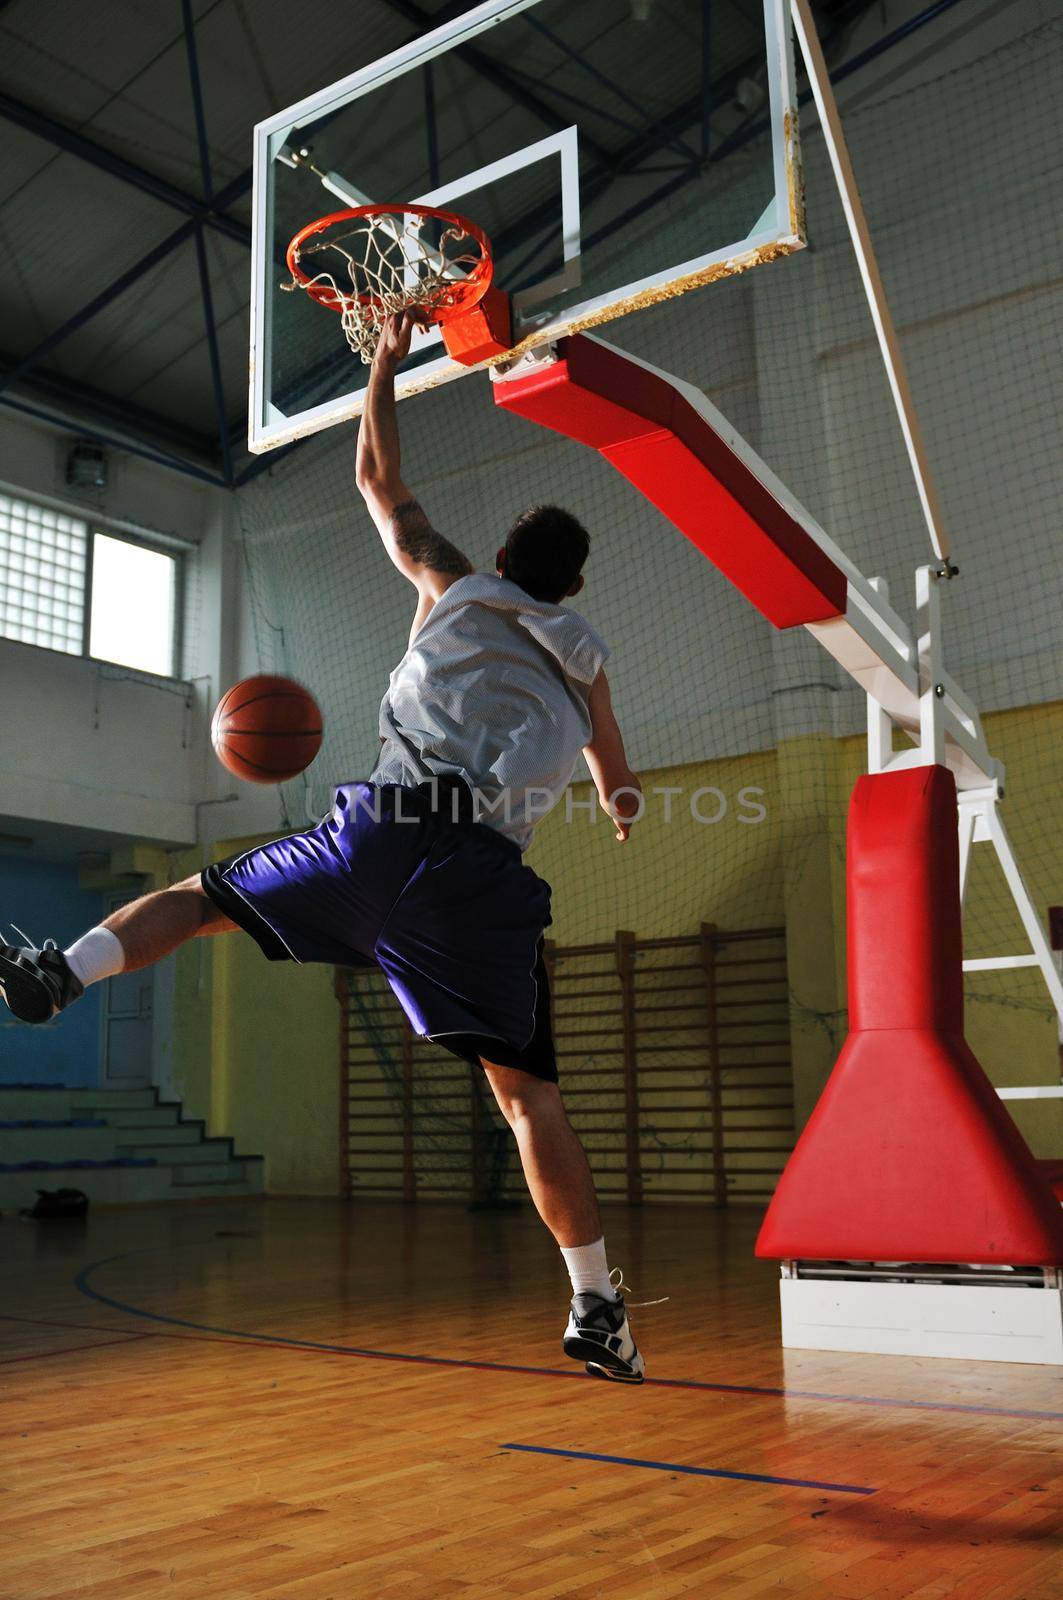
(251, 1184)
(180, 1136)
(139, 1116)
(180, 1154)
(180, 1162)
(18, 1124)
(197, 1172)
(108, 1098)
(58, 1144)
(20, 1103)
(118, 1186)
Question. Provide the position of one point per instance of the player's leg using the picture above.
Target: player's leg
(455, 947)
(150, 928)
(292, 895)
(555, 1166)
(562, 1188)
(36, 984)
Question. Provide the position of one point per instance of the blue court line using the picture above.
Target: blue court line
(83, 1286)
(695, 1472)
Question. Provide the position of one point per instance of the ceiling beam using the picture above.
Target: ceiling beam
(216, 379)
(202, 263)
(131, 445)
(112, 410)
(106, 297)
(85, 149)
(581, 62)
(195, 84)
(493, 72)
(25, 363)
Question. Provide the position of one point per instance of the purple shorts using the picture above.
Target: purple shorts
(446, 908)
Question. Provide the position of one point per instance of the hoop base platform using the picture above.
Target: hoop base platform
(958, 1321)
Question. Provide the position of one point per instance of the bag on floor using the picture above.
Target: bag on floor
(53, 1203)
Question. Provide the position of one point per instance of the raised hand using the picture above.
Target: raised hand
(393, 345)
(624, 806)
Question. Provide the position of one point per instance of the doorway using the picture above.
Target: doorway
(128, 1006)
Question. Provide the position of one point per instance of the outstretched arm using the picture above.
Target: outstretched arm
(421, 554)
(607, 761)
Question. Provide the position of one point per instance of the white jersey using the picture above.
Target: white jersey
(493, 689)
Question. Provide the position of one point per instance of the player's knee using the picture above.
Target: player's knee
(209, 913)
(521, 1096)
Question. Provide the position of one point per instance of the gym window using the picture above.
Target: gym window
(68, 585)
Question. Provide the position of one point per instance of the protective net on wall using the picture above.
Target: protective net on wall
(675, 1056)
(757, 736)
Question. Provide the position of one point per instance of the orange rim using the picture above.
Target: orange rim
(458, 297)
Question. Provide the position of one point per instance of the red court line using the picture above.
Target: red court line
(743, 1390)
(72, 1349)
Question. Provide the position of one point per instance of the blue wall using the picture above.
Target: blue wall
(44, 898)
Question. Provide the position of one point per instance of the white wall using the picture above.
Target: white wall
(95, 746)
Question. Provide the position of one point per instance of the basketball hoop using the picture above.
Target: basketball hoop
(383, 259)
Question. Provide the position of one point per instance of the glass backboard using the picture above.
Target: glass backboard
(616, 152)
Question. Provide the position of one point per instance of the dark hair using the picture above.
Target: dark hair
(545, 550)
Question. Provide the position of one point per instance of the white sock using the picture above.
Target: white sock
(97, 954)
(588, 1267)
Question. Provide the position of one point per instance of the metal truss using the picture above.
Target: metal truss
(484, 66)
(208, 213)
(122, 424)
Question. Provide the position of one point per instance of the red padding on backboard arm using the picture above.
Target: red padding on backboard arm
(653, 435)
(910, 1154)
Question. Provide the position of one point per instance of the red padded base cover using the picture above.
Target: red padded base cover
(651, 433)
(910, 1155)
(1052, 1171)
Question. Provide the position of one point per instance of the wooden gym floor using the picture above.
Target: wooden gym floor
(319, 1402)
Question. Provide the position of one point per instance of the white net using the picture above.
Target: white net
(382, 263)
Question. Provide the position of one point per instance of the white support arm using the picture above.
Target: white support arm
(889, 345)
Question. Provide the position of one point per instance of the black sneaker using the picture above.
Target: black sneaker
(598, 1333)
(37, 984)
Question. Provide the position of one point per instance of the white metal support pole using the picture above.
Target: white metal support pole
(928, 638)
(831, 124)
(879, 721)
(967, 824)
(1031, 922)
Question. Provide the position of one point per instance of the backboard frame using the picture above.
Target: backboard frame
(779, 230)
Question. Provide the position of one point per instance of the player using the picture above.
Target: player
(419, 869)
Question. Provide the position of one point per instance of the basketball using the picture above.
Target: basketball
(266, 729)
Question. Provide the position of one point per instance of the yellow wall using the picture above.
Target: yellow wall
(257, 1050)
(670, 874)
(257, 1053)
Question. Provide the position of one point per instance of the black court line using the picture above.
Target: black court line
(696, 1472)
(83, 1286)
